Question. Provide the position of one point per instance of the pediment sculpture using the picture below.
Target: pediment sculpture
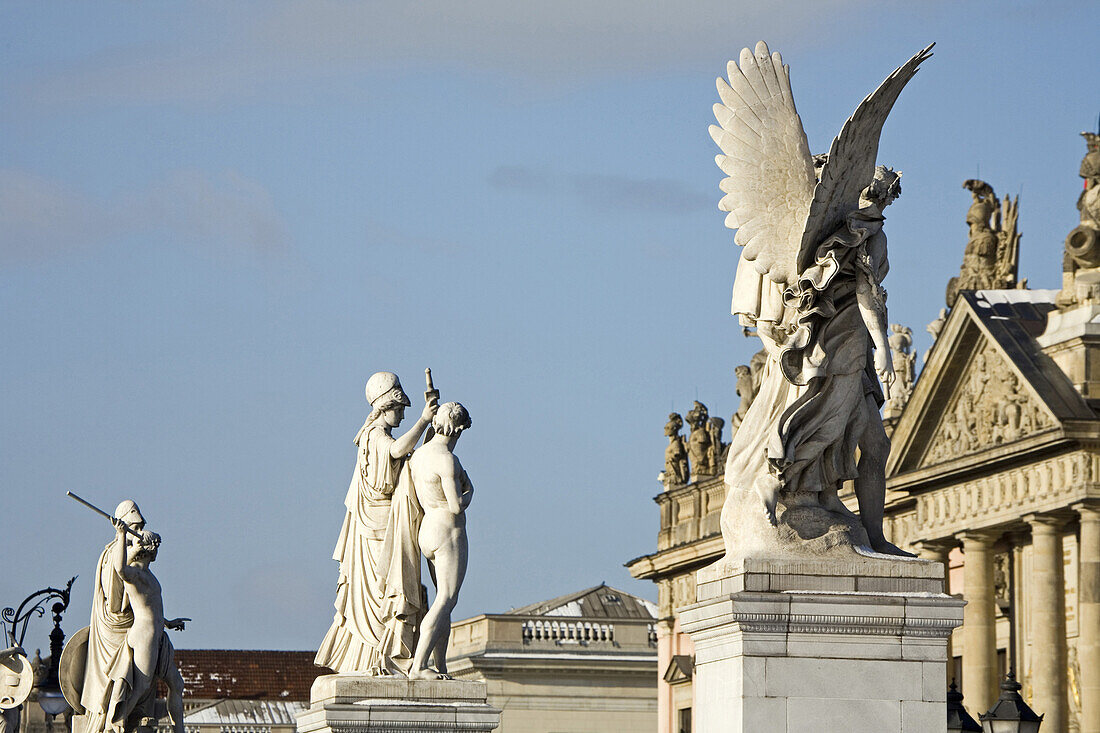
(990, 406)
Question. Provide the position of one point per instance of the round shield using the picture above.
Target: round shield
(71, 669)
(16, 680)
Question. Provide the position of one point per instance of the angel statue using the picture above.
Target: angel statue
(809, 280)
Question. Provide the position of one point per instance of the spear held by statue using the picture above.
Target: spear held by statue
(97, 510)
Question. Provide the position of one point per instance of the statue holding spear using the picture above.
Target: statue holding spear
(109, 669)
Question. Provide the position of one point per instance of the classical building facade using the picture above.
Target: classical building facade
(994, 469)
(581, 663)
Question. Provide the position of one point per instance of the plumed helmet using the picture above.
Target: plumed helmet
(128, 512)
(384, 391)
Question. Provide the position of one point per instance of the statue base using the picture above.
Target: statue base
(353, 703)
(855, 644)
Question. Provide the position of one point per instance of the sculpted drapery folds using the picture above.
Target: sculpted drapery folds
(809, 280)
(371, 631)
(111, 668)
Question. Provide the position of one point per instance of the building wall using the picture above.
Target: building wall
(576, 675)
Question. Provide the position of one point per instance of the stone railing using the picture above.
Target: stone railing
(505, 632)
(690, 512)
(567, 632)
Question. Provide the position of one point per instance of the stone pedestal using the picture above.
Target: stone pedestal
(348, 703)
(850, 645)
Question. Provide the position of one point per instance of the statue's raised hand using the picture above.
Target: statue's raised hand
(431, 398)
(431, 406)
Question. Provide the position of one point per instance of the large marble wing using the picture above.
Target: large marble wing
(770, 173)
(851, 164)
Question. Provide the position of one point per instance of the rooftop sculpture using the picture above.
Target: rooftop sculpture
(109, 670)
(991, 258)
(809, 281)
(1081, 267)
(400, 504)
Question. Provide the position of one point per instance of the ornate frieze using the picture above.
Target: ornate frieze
(1001, 496)
(991, 406)
(815, 623)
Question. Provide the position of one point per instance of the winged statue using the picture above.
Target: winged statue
(809, 280)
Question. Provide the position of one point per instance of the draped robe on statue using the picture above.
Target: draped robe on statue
(109, 669)
(805, 422)
(374, 627)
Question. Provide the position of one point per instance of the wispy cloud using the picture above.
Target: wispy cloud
(40, 217)
(285, 47)
(604, 192)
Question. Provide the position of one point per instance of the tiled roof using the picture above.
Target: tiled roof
(601, 601)
(1014, 319)
(229, 713)
(245, 674)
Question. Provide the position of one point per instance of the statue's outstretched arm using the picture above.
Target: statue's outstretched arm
(404, 445)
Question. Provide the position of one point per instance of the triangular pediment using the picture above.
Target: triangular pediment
(981, 391)
(680, 669)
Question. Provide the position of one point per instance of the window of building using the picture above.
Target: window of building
(685, 720)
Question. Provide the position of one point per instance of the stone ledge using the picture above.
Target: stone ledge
(356, 703)
(853, 613)
(340, 689)
(848, 572)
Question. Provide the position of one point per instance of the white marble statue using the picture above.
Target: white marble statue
(125, 650)
(443, 491)
(809, 280)
(16, 682)
(373, 631)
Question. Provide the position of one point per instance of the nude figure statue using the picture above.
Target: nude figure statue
(443, 490)
(152, 654)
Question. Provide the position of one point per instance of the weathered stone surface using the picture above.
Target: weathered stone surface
(817, 655)
(810, 282)
(349, 703)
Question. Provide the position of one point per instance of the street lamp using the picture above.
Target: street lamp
(957, 717)
(1010, 714)
(50, 696)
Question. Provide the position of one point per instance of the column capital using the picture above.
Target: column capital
(1044, 521)
(981, 536)
(1089, 508)
(934, 548)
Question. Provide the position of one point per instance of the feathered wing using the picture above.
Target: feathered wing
(851, 164)
(766, 158)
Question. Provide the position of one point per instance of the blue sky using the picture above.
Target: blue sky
(218, 219)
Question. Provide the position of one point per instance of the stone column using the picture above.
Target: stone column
(979, 659)
(1088, 610)
(1019, 604)
(664, 658)
(1048, 622)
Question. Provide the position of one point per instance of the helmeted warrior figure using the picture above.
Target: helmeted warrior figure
(368, 633)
